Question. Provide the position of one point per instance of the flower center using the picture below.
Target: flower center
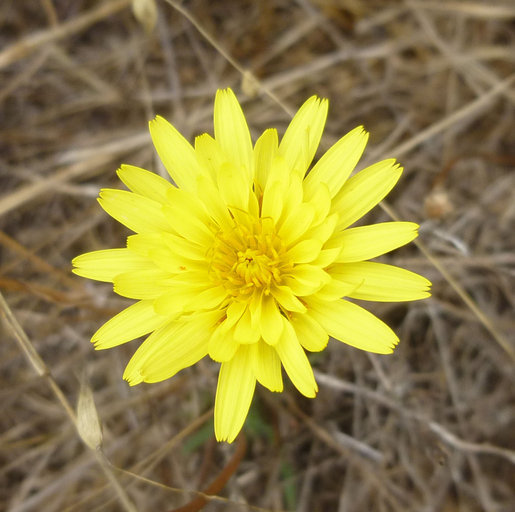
(248, 258)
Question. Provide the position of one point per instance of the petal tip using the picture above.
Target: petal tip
(123, 170)
(134, 377)
(158, 123)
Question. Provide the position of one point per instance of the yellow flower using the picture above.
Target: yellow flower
(248, 259)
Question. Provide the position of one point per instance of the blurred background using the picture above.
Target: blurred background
(429, 428)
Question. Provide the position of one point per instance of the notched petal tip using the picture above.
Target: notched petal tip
(103, 192)
(323, 105)
(158, 119)
(226, 91)
(232, 131)
(317, 101)
(388, 348)
(76, 262)
(99, 343)
(154, 125)
(359, 133)
(336, 164)
(123, 168)
(133, 379)
(96, 344)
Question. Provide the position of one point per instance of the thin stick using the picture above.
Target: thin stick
(36, 40)
(245, 73)
(87, 163)
(468, 112)
(465, 297)
(438, 429)
(220, 481)
(42, 370)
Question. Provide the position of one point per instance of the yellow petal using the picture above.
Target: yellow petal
(364, 191)
(353, 325)
(144, 183)
(133, 322)
(305, 251)
(232, 132)
(142, 284)
(326, 257)
(215, 206)
(236, 384)
(254, 207)
(173, 347)
(321, 201)
(176, 153)
(178, 296)
(243, 331)
(311, 275)
(153, 248)
(300, 141)
(234, 187)
(169, 252)
(106, 264)
(172, 261)
(380, 282)
(267, 366)
(365, 242)
(183, 247)
(209, 298)
(222, 346)
(281, 173)
(188, 217)
(138, 213)
(143, 243)
(273, 201)
(297, 222)
(337, 163)
(287, 299)
(256, 307)
(271, 325)
(336, 289)
(295, 362)
(265, 152)
(174, 301)
(323, 231)
(234, 312)
(300, 288)
(186, 296)
(209, 155)
(293, 198)
(309, 332)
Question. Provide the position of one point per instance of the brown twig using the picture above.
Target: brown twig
(26, 46)
(220, 481)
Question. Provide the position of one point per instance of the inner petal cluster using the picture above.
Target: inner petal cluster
(249, 258)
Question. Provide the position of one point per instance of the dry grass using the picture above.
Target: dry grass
(430, 428)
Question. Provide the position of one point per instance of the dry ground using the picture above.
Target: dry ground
(430, 428)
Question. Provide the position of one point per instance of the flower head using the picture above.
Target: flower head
(250, 259)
